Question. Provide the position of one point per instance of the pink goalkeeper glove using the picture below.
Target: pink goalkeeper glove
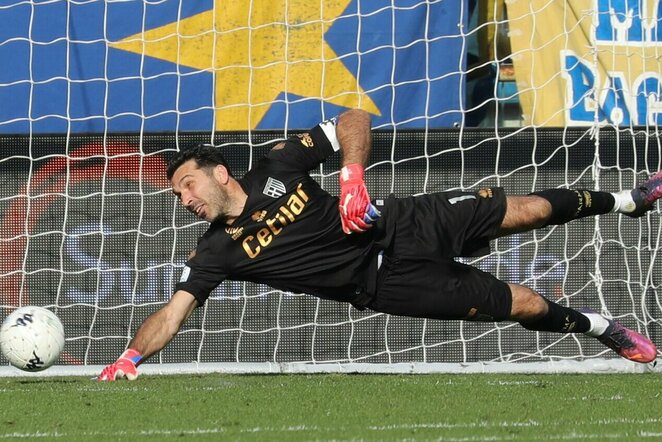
(356, 212)
(123, 368)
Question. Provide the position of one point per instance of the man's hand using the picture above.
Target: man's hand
(123, 368)
(356, 212)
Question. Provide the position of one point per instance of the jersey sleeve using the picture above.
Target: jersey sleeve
(307, 150)
(199, 279)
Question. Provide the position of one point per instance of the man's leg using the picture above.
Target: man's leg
(559, 206)
(534, 312)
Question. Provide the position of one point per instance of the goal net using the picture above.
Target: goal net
(462, 96)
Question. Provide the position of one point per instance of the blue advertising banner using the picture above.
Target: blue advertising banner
(214, 65)
(603, 69)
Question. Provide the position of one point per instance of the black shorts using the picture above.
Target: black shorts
(418, 275)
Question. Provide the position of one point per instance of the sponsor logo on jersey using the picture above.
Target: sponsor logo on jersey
(306, 139)
(284, 216)
(234, 232)
(259, 216)
(274, 188)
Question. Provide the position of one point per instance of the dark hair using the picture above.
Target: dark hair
(205, 155)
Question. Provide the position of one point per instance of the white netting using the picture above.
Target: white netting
(101, 93)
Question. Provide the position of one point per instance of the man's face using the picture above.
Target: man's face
(200, 191)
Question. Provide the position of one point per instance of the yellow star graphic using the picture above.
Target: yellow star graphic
(256, 51)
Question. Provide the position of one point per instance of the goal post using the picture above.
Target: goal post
(92, 231)
(97, 96)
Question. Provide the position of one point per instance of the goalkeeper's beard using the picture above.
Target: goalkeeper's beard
(217, 205)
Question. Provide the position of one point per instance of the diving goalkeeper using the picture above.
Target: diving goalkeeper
(277, 226)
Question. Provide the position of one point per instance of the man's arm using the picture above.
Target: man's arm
(161, 326)
(354, 135)
(153, 335)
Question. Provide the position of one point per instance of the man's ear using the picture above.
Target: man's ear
(221, 174)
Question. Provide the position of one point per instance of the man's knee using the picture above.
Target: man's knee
(527, 304)
(524, 213)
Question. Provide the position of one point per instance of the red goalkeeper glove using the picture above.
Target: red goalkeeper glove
(123, 368)
(356, 212)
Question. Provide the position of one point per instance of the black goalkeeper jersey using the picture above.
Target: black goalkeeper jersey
(289, 234)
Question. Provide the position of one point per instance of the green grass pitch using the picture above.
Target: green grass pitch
(444, 407)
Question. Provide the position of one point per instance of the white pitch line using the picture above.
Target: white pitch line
(156, 432)
(37, 434)
(516, 424)
(572, 435)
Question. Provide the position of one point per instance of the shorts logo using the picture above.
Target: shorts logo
(457, 199)
(306, 139)
(274, 188)
(259, 216)
(485, 193)
(234, 232)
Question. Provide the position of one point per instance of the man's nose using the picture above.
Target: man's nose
(186, 200)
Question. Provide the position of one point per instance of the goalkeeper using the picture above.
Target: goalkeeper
(277, 226)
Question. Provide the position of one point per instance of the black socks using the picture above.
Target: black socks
(573, 204)
(560, 319)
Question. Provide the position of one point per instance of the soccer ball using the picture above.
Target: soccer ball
(31, 338)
